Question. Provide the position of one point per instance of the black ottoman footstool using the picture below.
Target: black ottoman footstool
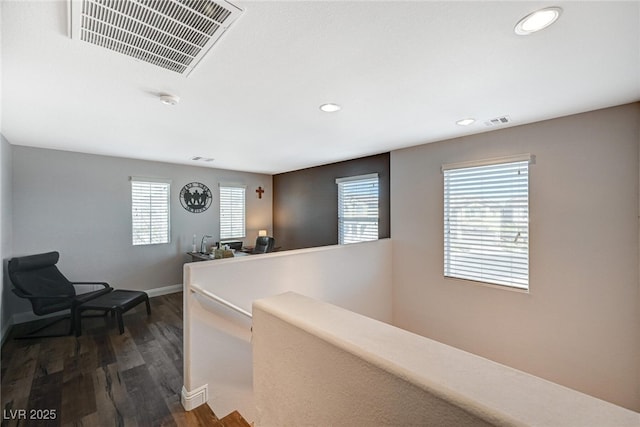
(117, 302)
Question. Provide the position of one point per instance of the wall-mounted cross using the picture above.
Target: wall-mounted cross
(260, 190)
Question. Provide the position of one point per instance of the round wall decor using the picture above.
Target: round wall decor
(195, 197)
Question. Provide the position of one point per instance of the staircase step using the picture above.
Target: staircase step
(234, 419)
(198, 417)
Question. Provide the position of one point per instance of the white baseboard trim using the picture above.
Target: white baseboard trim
(192, 399)
(28, 316)
(164, 290)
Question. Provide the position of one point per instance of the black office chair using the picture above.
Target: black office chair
(37, 279)
(263, 245)
(236, 244)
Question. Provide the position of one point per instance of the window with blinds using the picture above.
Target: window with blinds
(486, 222)
(232, 212)
(358, 208)
(149, 211)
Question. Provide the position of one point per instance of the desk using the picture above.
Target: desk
(199, 256)
(249, 250)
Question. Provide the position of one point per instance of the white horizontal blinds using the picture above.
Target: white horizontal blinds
(358, 208)
(486, 223)
(150, 212)
(232, 212)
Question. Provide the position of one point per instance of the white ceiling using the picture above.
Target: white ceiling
(404, 72)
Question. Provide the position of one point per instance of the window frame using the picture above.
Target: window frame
(141, 240)
(222, 187)
(342, 184)
(507, 266)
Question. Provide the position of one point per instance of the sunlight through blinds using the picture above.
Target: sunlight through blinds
(149, 212)
(232, 212)
(486, 223)
(358, 208)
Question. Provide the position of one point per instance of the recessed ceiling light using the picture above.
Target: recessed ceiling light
(465, 122)
(537, 20)
(169, 99)
(330, 108)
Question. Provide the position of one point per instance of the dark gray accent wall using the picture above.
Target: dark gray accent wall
(305, 202)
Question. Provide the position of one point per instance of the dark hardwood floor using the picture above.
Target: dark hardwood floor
(101, 378)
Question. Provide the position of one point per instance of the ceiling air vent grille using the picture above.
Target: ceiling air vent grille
(172, 34)
(502, 120)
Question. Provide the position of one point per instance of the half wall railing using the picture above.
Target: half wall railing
(218, 294)
(316, 364)
(213, 297)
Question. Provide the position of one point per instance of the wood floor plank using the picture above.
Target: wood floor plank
(15, 397)
(234, 419)
(24, 362)
(151, 408)
(53, 355)
(45, 400)
(164, 373)
(103, 378)
(127, 355)
(170, 317)
(18, 379)
(198, 417)
(138, 326)
(88, 421)
(80, 345)
(78, 398)
(81, 364)
(112, 400)
(171, 344)
(105, 355)
(173, 307)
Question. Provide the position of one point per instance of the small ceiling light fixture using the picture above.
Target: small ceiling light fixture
(465, 122)
(537, 20)
(169, 99)
(330, 108)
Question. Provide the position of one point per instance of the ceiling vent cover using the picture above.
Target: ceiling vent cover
(172, 34)
(502, 120)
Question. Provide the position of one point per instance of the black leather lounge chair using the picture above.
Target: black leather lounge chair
(36, 278)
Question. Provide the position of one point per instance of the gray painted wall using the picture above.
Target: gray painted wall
(580, 324)
(6, 231)
(80, 205)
